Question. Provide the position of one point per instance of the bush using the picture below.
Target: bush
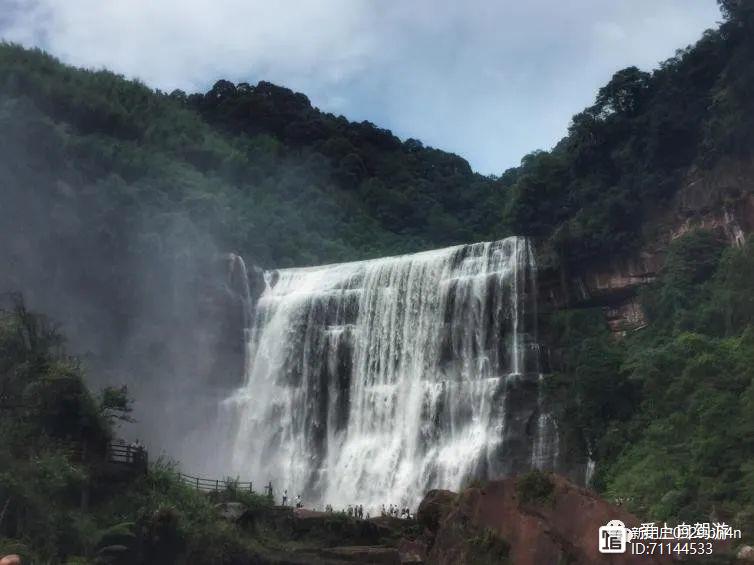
(489, 547)
(535, 487)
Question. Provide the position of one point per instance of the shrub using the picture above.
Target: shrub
(535, 487)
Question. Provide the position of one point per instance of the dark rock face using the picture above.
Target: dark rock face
(436, 504)
(233, 298)
(412, 551)
(720, 200)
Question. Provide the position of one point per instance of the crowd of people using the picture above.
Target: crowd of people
(394, 511)
(352, 510)
(357, 511)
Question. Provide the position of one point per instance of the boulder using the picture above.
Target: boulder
(436, 503)
(412, 551)
(745, 554)
(490, 524)
(231, 511)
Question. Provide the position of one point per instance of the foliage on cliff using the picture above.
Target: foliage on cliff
(688, 451)
(668, 412)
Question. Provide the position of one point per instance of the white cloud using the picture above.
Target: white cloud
(490, 80)
(609, 31)
(171, 43)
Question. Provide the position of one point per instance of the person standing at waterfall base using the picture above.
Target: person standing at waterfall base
(285, 497)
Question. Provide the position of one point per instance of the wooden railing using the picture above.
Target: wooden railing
(128, 455)
(121, 454)
(214, 485)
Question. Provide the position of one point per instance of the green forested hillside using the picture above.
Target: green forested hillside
(258, 170)
(627, 153)
(117, 144)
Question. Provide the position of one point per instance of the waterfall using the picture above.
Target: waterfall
(546, 448)
(589, 473)
(373, 381)
(238, 276)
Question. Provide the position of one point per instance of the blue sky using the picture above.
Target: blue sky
(489, 80)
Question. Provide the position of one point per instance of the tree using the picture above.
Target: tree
(115, 404)
(624, 94)
(736, 9)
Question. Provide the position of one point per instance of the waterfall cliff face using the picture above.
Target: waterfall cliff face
(371, 382)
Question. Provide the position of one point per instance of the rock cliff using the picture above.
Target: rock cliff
(720, 200)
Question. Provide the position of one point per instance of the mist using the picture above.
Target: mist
(143, 301)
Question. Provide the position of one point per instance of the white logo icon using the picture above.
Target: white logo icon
(613, 537)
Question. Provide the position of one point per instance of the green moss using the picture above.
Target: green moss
(476, 483)
(489, 547)
(535, 487)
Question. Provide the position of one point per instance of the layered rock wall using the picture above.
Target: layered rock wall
(720, 200)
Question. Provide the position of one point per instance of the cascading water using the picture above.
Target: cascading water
(546, 447)
(371, 382)
(238, 277)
